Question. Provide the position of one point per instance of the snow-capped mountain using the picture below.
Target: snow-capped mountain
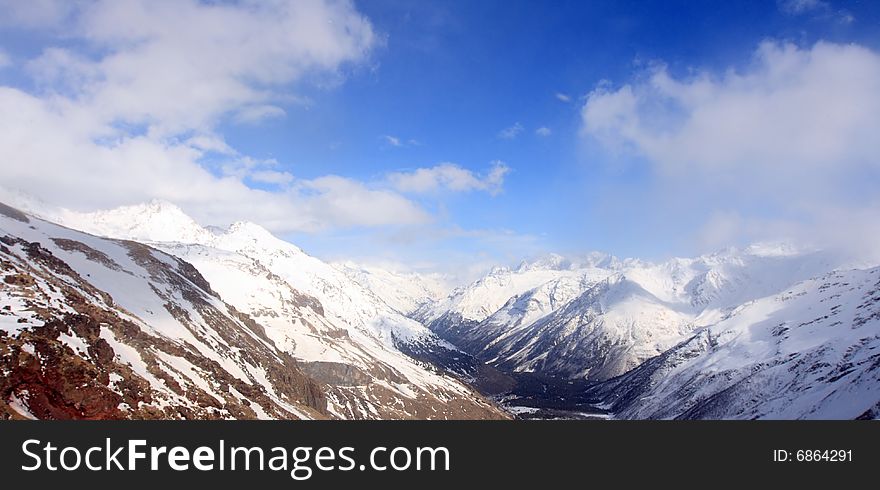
(343, 334)
(812, 351)
(168, 318)
(156, 221)
(475, 302)
(406, 292)
(599, 319)
(99, 328)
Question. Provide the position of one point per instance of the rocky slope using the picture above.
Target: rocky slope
(96, 328)
(110, 328)
(372, 360)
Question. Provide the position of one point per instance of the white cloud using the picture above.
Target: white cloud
(129, 114)
(210, 143)
(511, 132)
(451, 177)
(543, 131)
(271, 177)
(563, 97)
(346, 202)
(844, 17)
(816, 8)
(793, 109)
(793, 133)
(257, 113)
(176, 65)
(398, 142)
(801, 6)
(392, 140)
(34, 13)
(4, 59)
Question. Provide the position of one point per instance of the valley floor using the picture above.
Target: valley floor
(535, 397)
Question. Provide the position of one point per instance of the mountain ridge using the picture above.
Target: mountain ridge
(636, 336)
(386, 384)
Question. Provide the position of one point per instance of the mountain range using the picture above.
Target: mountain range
(141, 312)
(226, 318)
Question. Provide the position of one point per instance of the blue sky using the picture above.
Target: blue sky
(531, 87)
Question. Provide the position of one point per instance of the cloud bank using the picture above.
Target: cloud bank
(127, 96)
(787, 145)
(449, 176)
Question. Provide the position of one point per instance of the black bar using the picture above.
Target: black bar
(544, 454)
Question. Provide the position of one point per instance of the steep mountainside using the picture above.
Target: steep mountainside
(405, 292)
(236, 323)
(601, 318)
(465, 316)
(810, 352)
(98, 328)
(342, 333)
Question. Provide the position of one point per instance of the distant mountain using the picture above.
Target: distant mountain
(170, 319)
(601, 318)
(406, 292)
(344, 342)
(156, 221)
(475, 302)
(810, 352)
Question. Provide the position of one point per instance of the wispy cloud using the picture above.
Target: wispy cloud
(398, 142)
(543, 131)
(258, 113)
(392, 140)
(35, 14)
(346, 202)
(449, 176)
(511, 132)
(815, 7)
(273, 177)
(563, 97)
(801, 6)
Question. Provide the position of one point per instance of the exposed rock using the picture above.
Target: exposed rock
(95, 328)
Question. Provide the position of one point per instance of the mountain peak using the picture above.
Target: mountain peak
(156, 221)
(249, 234)
(160, 206)
(248, 228)
(773, 249)
(551, 261)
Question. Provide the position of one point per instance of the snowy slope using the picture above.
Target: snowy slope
(601, 318)
(99, 328)
(344, 334)
(406, 292)
(160, 222)
(157, 221)
(812, 351)
(476, 301)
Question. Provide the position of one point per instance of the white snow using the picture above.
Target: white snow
(539, 315)
(77, 344)
(404, 291)
(20, 406)
(543, 314)
(314, 310)
(129, 355)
